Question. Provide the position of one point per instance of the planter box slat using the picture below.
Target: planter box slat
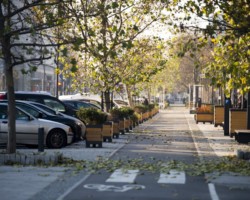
(237, 120)
(107, 131)
(218, 115)
(122, 126)
(94, 136)
(116, 130)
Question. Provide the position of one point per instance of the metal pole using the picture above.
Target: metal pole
(248, 110)
(41, 140)
(227, 106)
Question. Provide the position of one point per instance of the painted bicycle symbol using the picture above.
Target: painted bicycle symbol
(112, 188)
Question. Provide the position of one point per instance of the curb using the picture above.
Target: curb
(29, 159)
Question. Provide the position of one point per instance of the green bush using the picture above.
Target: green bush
(141, 108)
(151, 106)
(135, 117)
(120, 113)
(91, 116)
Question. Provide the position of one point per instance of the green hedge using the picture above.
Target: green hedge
(91, 116)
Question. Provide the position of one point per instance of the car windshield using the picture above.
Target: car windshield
(21, 115)
(46, 108)
(78, 104)
(55, 105)
(29, 110)
(3, 112)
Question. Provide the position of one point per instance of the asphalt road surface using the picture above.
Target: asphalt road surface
(164, 139)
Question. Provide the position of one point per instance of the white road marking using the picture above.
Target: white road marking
(112, 188)
(73, 187)
(123, 176)
(212, 191)
(173, 177)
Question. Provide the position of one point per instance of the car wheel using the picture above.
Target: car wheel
(56, 139)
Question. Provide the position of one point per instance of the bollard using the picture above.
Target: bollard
(227, 106)
(41, 140)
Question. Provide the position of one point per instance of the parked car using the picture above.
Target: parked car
(93, 99)
(56, 135)
(77, 126)
(43, 98)
(53, 112)
(120, 103)
(76, 104)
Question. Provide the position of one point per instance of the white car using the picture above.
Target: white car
(56, 135)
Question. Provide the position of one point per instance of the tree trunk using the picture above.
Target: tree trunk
(5, 40)
(130, 100)
(107, 101)
(11, 143)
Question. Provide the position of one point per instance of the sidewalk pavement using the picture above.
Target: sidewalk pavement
(221, 145)
(19, 178)
(22, 183)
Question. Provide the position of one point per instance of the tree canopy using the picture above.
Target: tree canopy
(228, 32)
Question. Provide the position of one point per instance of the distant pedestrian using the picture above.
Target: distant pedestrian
(239, 103)
(145, 102)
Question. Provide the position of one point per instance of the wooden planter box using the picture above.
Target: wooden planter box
(122, 126)
(218, 115)
(237, 120)
(94, 136)
(140, 120)
(116, 130)
(132, 125)
(107, 131)
(204, 117)
(127, 124)
(145, 116)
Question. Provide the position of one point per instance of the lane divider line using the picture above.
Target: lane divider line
(68, 191)
(212, 191)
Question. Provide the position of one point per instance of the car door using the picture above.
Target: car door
(3, 124)
(26, 127)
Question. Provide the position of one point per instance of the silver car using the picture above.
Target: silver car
(56, 135)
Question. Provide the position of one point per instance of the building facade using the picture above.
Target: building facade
(43, 79)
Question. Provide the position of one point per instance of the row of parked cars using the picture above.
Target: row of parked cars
(35, 110)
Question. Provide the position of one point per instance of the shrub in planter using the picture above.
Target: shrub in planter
(92, 116)
(141, 108)
(121, 113)
(151, 107)
(135, 118)
(204, 109)
(204, 114)
(94, 120)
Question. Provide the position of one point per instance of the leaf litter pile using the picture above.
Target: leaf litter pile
(222, 165)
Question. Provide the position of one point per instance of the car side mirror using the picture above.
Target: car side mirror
(40, 115)
(30, 118)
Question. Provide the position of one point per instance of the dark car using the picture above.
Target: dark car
(53, 112)
(43, 98)
(76, 125)
(76, 104)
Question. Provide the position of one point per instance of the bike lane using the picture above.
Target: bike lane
(166, 137)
